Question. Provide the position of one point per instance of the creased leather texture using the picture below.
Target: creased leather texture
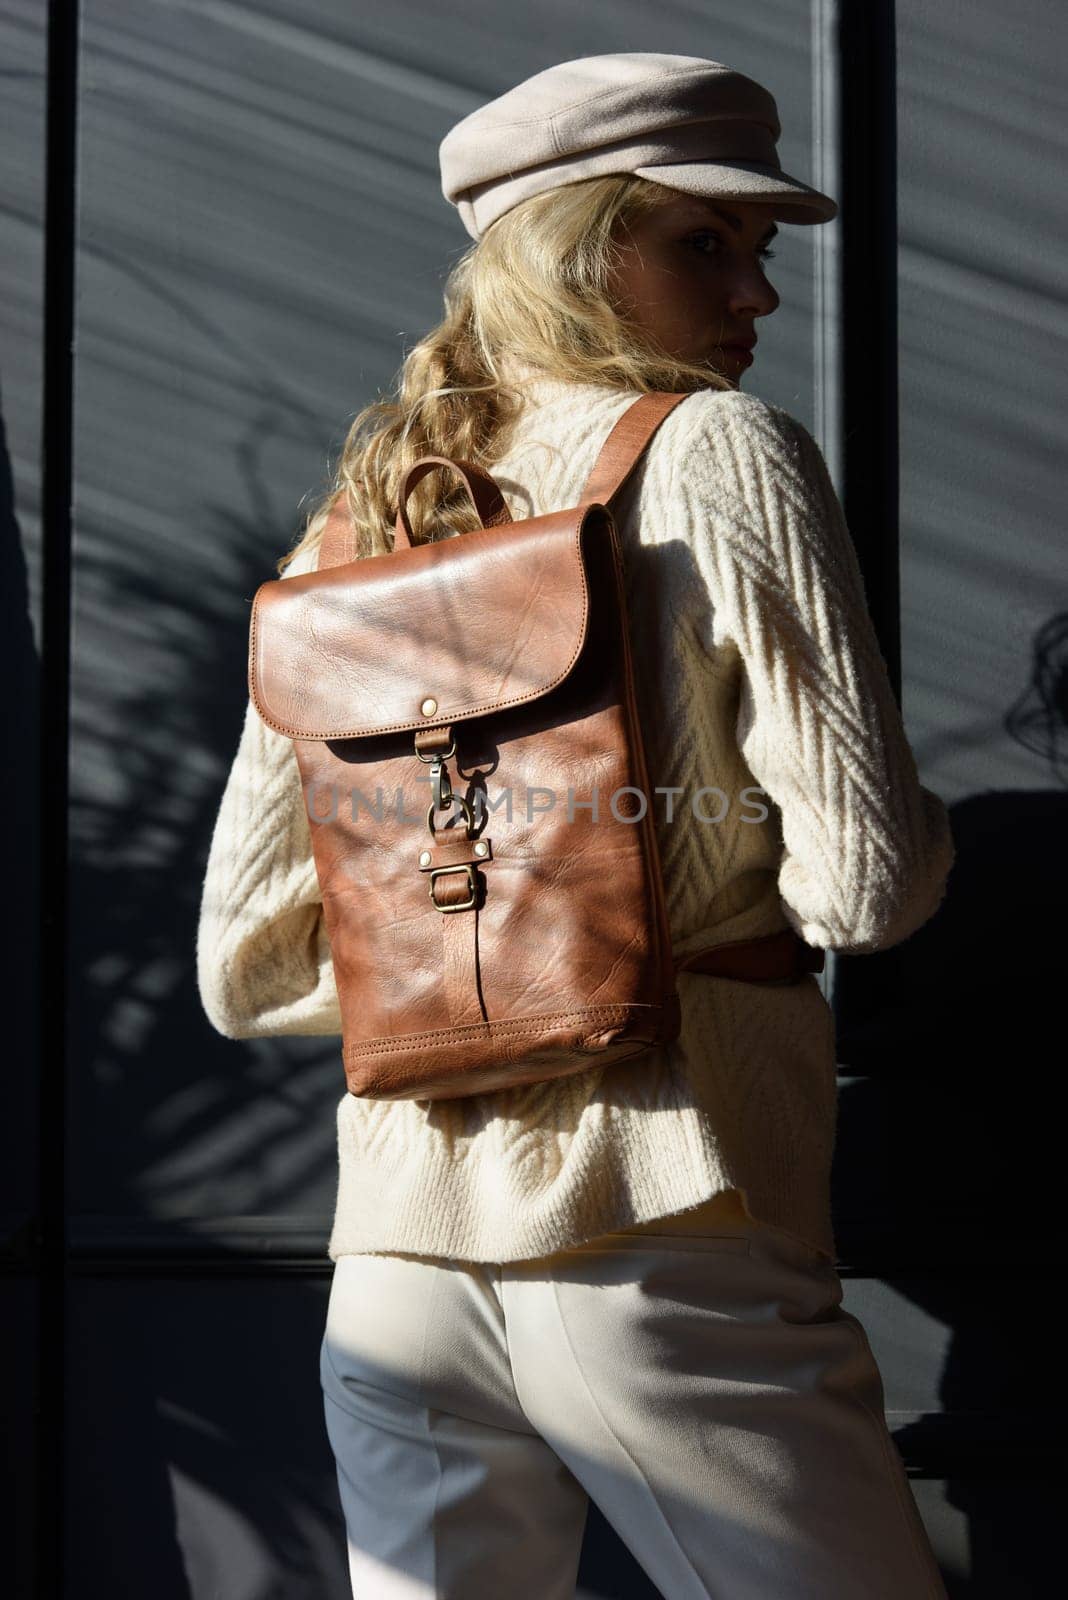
(557, 955)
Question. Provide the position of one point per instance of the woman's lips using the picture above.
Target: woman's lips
(740, 352)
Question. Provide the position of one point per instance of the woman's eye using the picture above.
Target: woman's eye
(699, 239)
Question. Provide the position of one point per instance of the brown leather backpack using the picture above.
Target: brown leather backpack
(483, 937)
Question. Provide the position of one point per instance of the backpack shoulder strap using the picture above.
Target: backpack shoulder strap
(338, 543)
(622, 450)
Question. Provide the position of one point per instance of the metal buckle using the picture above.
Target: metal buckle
(441, 788)
(454, 800)
(439, 776)
(441, 872)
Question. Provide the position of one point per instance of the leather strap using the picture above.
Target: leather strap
(459, 929)
(460, 969)
(622, 449)
(434, 741)
(488, 501)
(776, 955)
(337, 546)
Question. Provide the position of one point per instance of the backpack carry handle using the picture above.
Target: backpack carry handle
(486, 496)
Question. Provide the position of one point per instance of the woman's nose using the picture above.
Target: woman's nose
(753, 295)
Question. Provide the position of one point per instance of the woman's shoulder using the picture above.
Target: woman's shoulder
(743, 421)
(730, 445)
(717, 446)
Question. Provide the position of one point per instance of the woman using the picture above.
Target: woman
(621, 1284)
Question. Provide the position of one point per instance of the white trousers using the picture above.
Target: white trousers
(705, 1388)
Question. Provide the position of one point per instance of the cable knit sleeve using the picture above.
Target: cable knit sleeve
(867, 850)
(263, 956)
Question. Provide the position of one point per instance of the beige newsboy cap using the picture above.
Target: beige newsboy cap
(693, 125)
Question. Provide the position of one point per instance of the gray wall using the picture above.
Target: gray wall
(258, 233)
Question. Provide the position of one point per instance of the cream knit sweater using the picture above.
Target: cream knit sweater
(757, 669)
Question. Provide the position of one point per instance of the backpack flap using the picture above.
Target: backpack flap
(462, 627)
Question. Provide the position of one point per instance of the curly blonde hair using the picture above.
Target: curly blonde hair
(533, 293)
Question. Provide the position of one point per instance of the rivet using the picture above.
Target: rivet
(480, 848)
(424, 858)
(429, 706)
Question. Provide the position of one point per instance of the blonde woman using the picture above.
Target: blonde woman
(621, 1284)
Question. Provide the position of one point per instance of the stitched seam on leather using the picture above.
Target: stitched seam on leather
(479, 1029)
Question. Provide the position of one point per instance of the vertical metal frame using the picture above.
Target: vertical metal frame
(856, 376)
(868, 417)
(49, 1240)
